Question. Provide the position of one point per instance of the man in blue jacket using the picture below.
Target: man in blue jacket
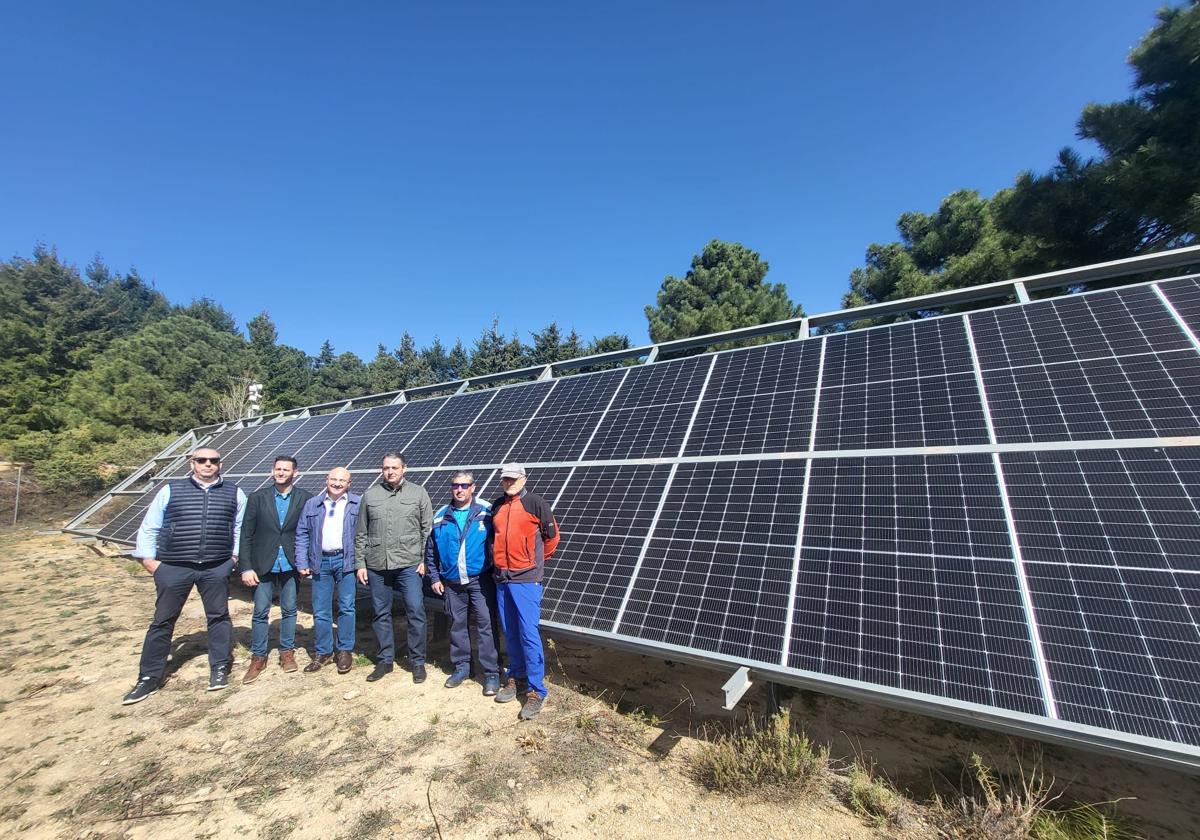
(325, 555)
(458, 559)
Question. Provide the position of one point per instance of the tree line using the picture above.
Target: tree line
(99, 370)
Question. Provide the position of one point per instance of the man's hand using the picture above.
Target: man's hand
(306, 573)
(438, 587)
(150, 564)
(421, 569)
(250, 578)
(361, 574)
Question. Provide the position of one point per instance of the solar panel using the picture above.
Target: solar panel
(1108, 365)
(395, 434)
(496, 428)
(314, 454)
(434, 442)
(564, 424)
(759, 400)
(907, 580)
(1110, 540)
(651, 411)
(589, 574)
(996, 512)
(1184, 296)
(373, 421)
(715, 575)
(912, 385)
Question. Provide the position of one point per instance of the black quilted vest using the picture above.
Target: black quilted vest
(198, 524)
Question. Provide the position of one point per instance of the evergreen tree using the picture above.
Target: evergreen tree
(723, 290)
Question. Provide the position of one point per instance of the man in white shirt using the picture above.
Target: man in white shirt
(325, 555)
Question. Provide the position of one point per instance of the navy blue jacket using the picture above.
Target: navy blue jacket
(311, 526)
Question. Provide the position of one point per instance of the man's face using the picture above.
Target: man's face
(337, 483)
(513, 486)
(462, 488)
(393, 470)
(283, 473)
(206, 463)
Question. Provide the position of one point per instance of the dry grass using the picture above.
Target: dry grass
(767, 754)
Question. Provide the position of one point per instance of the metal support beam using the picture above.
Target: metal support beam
(736, 686)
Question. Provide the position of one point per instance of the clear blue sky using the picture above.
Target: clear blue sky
(360, 169)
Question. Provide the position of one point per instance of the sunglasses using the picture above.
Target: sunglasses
(458, 485)
(206, 460)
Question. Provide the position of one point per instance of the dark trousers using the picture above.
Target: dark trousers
(384, 587)
(477, 599)
(174, 582)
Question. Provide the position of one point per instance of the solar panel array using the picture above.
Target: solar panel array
(997, 511)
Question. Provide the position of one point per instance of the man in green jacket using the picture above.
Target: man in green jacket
(394, 518)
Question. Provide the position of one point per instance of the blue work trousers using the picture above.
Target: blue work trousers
(520, 608)
(264, 593)
(384, 587)
(465, 601)
(327, 585)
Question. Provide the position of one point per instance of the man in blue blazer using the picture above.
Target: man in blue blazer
(325, 555)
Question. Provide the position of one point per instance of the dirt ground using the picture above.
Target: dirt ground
(322, 755)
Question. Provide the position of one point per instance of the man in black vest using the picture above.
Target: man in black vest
(188, 538)
(268, 560)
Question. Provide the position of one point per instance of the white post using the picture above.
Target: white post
(17, 499)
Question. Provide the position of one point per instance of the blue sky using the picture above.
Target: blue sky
(362, 169)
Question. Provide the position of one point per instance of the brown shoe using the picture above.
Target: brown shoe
(287, 661)
(315, 664)
(257, 664)
(344, 659)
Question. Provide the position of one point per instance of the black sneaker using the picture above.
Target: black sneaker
(218, 678)
(491, 685)
(418, 672)
(381, 669)
(144, 688)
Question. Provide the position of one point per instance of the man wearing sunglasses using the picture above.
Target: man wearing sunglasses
(325, 555)
(458, 557)
(268, 559)
(187, 539)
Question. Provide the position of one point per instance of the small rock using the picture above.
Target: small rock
(226, 747)
(204, 791)
(350, 695)
(512, 783)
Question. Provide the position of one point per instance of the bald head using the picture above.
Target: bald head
(337, 482)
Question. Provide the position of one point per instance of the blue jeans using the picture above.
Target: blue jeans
(325, 584)
(384, 586)
(285, 582)
(520, 608)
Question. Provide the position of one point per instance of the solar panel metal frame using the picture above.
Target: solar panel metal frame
(1175, 754)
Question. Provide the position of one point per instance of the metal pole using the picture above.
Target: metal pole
(17, 499)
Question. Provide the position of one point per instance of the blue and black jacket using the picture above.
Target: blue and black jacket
(451, 552)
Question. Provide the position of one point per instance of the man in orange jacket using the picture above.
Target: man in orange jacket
(525, 537)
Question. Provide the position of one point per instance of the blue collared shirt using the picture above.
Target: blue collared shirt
(281, 508)
(152, 522)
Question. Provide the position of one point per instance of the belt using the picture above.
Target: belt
(332, 553)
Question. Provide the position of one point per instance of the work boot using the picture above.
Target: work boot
(344, 660)
(287, 660)
(257, 665)
(318, 661)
